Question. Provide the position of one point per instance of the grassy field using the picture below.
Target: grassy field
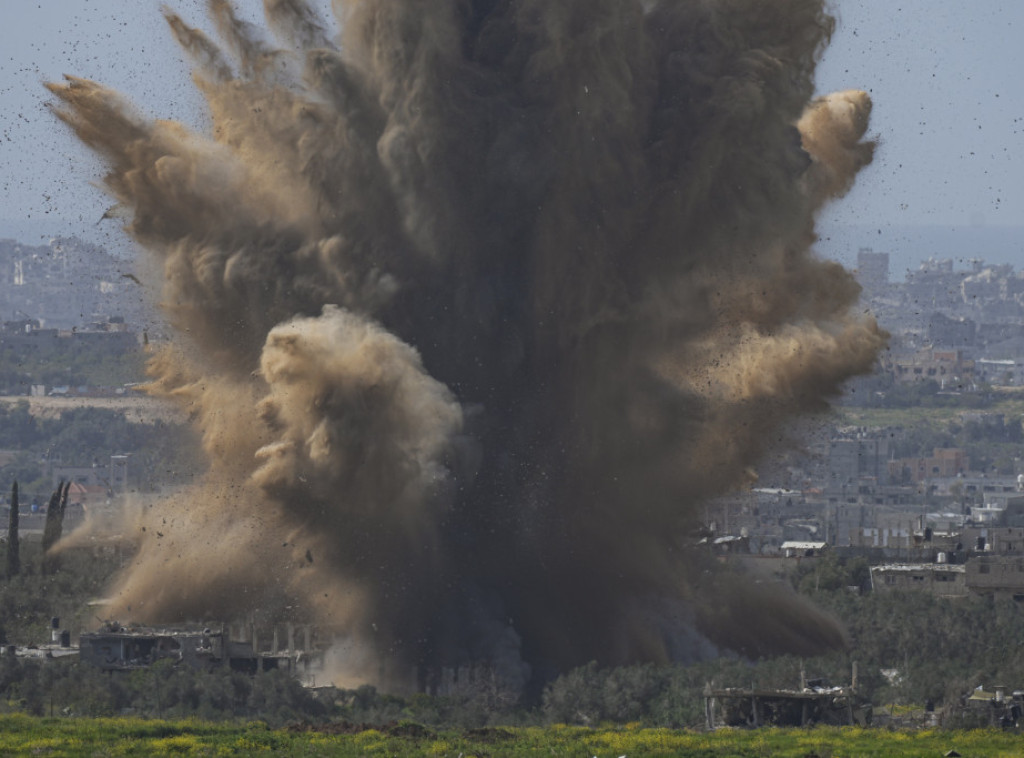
(1011, 405)
(24, 735)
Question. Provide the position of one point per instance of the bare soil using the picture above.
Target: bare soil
(137, 408)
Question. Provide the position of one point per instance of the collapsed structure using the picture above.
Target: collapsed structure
(815, 702)
(122, 648)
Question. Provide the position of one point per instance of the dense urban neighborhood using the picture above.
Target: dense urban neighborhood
(921, 469)
(488, 379)
(910, 492)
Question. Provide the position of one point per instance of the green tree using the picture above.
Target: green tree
(18, 428)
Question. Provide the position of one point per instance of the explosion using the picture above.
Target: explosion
(477, 301)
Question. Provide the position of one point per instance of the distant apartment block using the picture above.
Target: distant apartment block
(1001, 372)
(851, 460)
(872, 270)
(996, 575)
(950, 368)
(942, 579)
(943, 463)
(948, 332)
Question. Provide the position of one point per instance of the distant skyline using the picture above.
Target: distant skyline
(944, 76)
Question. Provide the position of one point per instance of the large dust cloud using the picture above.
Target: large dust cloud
(478, 300)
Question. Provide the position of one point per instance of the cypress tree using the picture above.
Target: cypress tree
(13, 543)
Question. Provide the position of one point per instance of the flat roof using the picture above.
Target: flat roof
(134, 632)
(803, 545)
(949, 568)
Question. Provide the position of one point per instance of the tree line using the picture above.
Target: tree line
(162, 452)
(910, 648)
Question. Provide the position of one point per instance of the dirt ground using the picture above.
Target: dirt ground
(137, 408)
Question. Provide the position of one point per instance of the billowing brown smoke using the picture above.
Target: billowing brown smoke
(478, 301)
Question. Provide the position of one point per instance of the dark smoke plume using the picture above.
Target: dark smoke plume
(478, 300)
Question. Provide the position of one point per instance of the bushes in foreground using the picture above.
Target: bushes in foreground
(931, 650)
(55, 688)
(20, 735)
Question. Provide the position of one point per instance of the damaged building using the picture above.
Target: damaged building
(941, 579)
(815, 702)
(123, 648)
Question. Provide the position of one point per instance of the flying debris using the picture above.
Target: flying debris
(480, 300)
(117, 211)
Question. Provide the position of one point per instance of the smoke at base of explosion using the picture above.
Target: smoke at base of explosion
(481, 301)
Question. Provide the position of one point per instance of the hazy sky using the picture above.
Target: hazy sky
(945, 76)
